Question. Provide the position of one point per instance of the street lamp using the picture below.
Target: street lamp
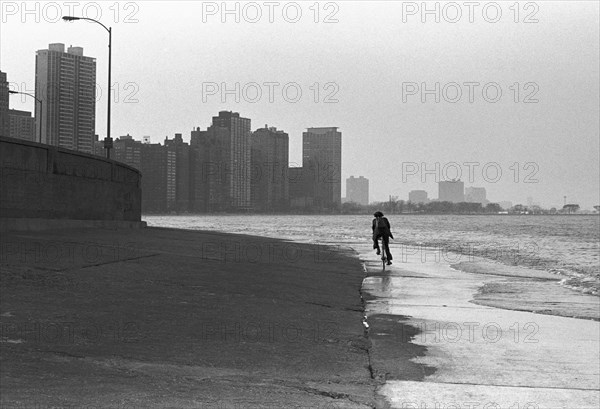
(41, 108)
(108, 142)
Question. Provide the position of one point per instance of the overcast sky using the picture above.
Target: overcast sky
(371, 61)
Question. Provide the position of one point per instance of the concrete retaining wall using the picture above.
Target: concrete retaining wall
(39, 181)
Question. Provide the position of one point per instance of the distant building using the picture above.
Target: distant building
(476, 195)
(322, 156)
(182, 171)
(209, 165)
(236, 164)
(165, 170)
(220, 165)
(302, 188)
(4, 120)
(451, 191)
(357, 190)
(98, 147)
(158, 167)
(418, 196)
(270, 158)
(22, 125)
(66, 84)
(126, 150)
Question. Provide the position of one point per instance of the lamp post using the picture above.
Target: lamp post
(108, 142)
(41, 108)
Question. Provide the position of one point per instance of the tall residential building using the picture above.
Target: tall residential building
(418, 196)
(209, 153)
(322, 154)
(158, 167)
(238, 163)
(66, 83)
(302, 188)
(476, 195)
(182, 171)
(4, 120)
(269, 178)
(22, 125)
(220, 165)
(357, 190)
(451, 191)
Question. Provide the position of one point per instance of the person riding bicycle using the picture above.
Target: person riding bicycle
(382, 228)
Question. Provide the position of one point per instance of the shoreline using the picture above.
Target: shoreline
(499, 269)
(159, 318)
(578, 273)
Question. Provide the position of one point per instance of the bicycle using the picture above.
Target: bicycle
(383, 256)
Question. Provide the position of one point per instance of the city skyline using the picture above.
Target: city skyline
(229, 168)
(268, 172)
(19, 121)
(552, 143)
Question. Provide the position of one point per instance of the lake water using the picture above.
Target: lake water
(568, 246)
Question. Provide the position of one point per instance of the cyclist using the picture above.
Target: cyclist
(381, 228)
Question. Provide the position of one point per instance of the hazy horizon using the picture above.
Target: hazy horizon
(369, 67)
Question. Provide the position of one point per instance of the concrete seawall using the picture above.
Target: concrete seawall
(42, 182)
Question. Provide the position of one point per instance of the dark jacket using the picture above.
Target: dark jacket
(382, 227)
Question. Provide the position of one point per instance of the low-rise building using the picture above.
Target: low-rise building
(22, 125)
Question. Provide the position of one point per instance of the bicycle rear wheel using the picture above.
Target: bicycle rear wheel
(383, 257)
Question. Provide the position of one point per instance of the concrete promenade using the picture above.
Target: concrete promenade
(162, 318)
(477, 356)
